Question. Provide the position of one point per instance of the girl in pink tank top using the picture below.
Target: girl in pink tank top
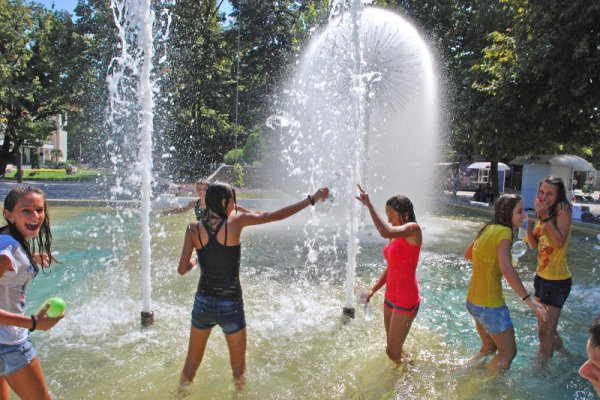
(402, 296)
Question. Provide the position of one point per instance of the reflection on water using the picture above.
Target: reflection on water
(298, 348)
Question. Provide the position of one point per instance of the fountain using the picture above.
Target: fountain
(297, 347)
(131, 119)
(363, 100)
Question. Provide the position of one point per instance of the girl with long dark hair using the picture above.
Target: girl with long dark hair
(24, 246)
(551, 235)
(218, 300)
(491, 257)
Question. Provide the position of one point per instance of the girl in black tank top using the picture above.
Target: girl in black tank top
(216, 239)
(220, 263)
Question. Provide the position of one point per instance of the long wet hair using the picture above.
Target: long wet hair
(215, 193)
(403, 206)
(503, 211)
(561, 193)
(44, 237)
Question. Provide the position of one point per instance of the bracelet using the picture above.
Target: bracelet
(526, 297)
(311, 199)
(33, 323)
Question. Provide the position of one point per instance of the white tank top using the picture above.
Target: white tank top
(13, 287)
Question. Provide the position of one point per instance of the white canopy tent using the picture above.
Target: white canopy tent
(483, 172)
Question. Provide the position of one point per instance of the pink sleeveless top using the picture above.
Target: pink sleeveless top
(401, 286)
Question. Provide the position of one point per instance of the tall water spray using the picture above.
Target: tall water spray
(131, 118)
(363, 101)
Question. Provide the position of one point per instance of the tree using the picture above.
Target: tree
(559, 74)
(198, 129)
(36, 47)
(88, 128)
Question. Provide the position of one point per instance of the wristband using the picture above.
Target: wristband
(33, 323)
(311, 199)
(526, 297)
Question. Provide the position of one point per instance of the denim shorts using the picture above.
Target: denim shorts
(552, 293)
(210, 311)
(493, 319)
(14, 357)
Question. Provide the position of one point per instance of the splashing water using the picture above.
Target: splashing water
(363, 101)
(131, 118)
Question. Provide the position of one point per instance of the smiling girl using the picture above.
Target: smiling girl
(25, 211)
(551, 235)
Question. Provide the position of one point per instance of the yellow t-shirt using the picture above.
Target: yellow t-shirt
(552, 261)
(485, 288)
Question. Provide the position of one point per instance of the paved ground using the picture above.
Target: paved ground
(96, 194)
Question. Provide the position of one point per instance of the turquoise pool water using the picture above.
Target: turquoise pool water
(298, 348)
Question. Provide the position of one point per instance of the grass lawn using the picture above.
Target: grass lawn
(54, 174)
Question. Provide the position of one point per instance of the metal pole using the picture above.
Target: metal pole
(237, 78)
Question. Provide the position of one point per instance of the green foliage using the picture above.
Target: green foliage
(238, 175)
(521, 76)
(88, 130)
(54, 174)
(498, 65)
(233, 156)
(37, 48)
(35, 161)
(56, 154)
(255, 147)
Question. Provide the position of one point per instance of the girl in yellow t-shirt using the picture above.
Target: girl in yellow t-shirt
(551, 235)
(490, 254)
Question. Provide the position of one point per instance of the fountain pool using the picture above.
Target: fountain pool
(298, 347)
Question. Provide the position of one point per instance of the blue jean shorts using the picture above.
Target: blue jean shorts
(14, 357)
(210, 311)
(493, 319)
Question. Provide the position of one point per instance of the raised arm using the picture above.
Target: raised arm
(531, 239)
(178, 210)
(385, 229)
(263, 217)
(242, 209)
(513, 279)
(558, 228)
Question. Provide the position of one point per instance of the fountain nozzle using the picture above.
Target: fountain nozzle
(147, 318)
(348, 314)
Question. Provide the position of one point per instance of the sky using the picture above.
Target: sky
(67, 5)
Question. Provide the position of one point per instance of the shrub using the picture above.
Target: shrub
(233, 156)
(238, 175)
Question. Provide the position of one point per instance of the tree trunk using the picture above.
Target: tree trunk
(19, 175)
(494, 178)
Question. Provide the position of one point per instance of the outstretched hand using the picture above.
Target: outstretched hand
(363, 196)
(321, 194)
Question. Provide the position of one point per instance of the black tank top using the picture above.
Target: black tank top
(219, 266)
